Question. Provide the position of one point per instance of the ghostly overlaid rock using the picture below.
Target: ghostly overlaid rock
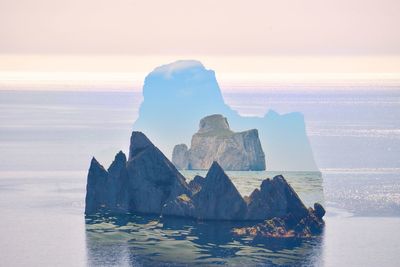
(177, 95)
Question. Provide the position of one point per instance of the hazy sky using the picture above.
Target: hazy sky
(285, 27)
(313, 31)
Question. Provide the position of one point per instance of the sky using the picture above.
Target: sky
(260, 42)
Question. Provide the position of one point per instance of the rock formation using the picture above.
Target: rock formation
(275, 198)
(215, 141)
(177, 95)
(180, 156)
(286, 226)
(143, 184)
(218, 198)
(149, 183)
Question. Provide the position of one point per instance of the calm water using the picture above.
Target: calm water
(47, 140)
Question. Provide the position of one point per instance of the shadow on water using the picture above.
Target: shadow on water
(137, 240)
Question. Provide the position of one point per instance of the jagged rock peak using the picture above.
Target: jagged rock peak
(94, 164)
(276, 198)
(218, 198)
(139, 142)
(118, 163)
(215, 171)
(212, 123)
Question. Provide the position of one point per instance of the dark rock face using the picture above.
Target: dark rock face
(275, 198)
(144, 183)
(319, 210)
(285, 227)
(214, 197)
(181, 206)
(215, 141)
(214, 123)
(152, 177)
(149, 183)
(196, 184)
(104, 189)
(218, 198)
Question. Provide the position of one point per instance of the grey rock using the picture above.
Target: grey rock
(96, 187)
(319, 210)
(149, 183)
(180, 156)
(181, 206)
(196, 184)
(144, 183)
(218, 198)
(275, 198)
(105, 189)
(284, 228)
(153, 179)
(214, 197)
(215, 141)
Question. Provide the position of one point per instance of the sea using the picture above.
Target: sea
(47, 139)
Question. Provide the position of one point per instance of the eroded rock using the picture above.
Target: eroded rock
(215, 141)
(275, 198)
(149, 183)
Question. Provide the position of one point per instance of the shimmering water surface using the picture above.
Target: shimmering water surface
(47, 140)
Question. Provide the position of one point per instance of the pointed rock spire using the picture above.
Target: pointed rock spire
(118, 163)
(139, 142)
(275, 198)
(218, 198)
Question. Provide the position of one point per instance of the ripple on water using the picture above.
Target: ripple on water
(156, 241)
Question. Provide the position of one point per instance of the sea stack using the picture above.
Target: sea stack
(215, 141)
(177, 95)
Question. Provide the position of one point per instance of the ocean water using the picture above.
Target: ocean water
(48, 138)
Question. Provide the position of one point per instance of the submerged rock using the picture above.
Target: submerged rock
(285, 227)
(215, 141)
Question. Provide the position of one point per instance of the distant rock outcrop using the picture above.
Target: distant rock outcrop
(149, 183)
(177, 95)
(215, 141)
(180, 156)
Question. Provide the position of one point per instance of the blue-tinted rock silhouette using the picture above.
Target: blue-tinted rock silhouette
(178, 95)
